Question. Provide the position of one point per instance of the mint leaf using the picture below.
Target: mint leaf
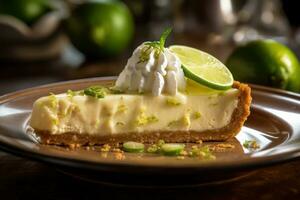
(158, 46)
(164, 36)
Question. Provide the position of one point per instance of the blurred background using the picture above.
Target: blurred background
(44, 41)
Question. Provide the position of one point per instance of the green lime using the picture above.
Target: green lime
(265, 62)
(25, 10)
(101, 28)
(172, 149)
(133, 147)
(203, 68)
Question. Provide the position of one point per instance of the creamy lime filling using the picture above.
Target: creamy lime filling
(125, 113)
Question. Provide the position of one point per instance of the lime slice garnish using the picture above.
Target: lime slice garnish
(133, 147)
(203, 68)
(172, 149)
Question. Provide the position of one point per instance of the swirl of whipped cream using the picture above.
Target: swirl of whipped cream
(152, 70)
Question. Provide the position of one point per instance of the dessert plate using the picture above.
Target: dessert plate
(273, 124)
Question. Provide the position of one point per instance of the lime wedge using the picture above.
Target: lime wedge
(203, 68)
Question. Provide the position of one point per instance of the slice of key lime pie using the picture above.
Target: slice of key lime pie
(178, 94)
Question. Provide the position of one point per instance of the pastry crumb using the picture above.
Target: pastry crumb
(119, 156)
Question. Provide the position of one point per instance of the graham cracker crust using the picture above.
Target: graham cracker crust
(239, 116)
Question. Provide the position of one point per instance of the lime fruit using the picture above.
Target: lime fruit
(203, 68)
(265, 62)
(100, 28)
(133, 147)
(27, 11)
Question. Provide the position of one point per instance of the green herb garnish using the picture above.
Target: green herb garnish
(158, 47)
(95, 91)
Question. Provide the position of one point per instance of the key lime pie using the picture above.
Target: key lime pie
(177, 94)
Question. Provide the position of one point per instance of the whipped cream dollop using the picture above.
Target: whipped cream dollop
(152, 70)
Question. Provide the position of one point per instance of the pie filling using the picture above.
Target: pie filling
(125, 113)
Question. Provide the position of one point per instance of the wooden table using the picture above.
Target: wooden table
(25, 179)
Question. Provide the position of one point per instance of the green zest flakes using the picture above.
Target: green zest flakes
(122, 108)
(155, 148)
(120, 123)
(53, 101)
(202, 152)
(145, 55)
(142, 119)
(95, 91)
(186, 120)
(54, 121)
(71, 93)
(173, 123)
(251, 144)
(158, 47)
(114, 90)
(197, 115)
(178, 149)
(173, 101)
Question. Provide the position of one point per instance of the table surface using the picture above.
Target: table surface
(22, 178)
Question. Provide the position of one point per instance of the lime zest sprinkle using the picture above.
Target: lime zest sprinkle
(251, 144)
(155, 148)
(173, 123)
(95, 91)
(71, 94)
(143, 119)
(160, 142)
(173, 101)
(202, 152)
(55, 121)
(186, 119)
(120, 123)
(122, 108)
(53, 100)
(197, 115)
(158, 46)
(114, 90)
